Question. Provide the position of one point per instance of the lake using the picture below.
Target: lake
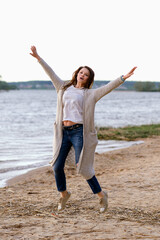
(26, 124)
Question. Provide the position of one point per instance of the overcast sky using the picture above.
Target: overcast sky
(110, 36)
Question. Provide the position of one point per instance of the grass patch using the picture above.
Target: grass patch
(129, 133)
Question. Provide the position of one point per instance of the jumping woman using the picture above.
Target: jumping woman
(74, 126)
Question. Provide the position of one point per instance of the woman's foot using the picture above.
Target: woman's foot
(103, 202)
(63, 200)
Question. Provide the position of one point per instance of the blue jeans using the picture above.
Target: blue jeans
(71, 137)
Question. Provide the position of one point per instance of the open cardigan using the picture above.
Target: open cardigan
(91, 96)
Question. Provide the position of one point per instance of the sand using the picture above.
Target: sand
(28, 205)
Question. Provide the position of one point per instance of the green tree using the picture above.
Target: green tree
(5, 86)
(145, 86)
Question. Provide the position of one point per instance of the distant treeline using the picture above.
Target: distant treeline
(147, 86)
(126, 86)
(6, 86)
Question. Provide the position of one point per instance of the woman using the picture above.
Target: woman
(74, 126)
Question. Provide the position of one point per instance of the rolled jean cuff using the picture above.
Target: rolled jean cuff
(94, 185)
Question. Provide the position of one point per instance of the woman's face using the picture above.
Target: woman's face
(82, 76)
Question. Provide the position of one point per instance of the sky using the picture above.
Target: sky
(110, 36)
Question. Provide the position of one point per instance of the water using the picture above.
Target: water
(119, 109)
(26, 125)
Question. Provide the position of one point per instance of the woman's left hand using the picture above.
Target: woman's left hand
(129, 74)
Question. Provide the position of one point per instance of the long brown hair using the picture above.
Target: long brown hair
(74, 78)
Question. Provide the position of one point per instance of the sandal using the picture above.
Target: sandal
(104, 203)
(62, 201)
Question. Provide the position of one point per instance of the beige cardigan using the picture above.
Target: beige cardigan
(91, 96)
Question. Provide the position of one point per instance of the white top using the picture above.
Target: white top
(73, 104)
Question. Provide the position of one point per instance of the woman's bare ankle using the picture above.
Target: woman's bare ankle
(63, 194)
(100, 194)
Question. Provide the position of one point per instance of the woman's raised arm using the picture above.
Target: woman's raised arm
(102, 91)
(57, 82)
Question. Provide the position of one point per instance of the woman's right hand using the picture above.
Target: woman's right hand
(34, 53)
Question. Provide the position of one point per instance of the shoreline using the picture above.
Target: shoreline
(25, 176)
(131, 177)
(100, 150)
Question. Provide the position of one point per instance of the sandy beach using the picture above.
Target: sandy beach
(28, 205)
